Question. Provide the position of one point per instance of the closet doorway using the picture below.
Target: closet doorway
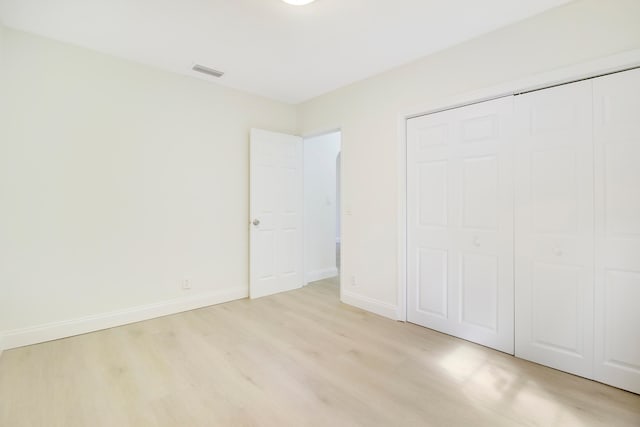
(523, 225)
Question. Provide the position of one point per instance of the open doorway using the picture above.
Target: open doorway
(322, 208)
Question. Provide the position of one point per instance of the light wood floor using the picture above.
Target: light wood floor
(294, 359)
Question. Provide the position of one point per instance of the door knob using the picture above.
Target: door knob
(256, 222)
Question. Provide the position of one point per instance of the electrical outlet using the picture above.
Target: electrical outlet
(353, 281)
(186, 284)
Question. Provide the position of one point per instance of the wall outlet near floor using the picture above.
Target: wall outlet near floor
(353, 281)
(186, 284)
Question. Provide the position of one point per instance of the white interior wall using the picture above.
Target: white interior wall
(320, 154)
(117, 182)
(367, 112)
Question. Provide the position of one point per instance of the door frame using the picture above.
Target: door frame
(611, 64)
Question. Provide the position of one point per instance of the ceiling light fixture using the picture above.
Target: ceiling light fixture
(298, 2)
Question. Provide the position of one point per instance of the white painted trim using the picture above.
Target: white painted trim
(67, 328)
(369, 304)
(305, 257)
(583, 70)
(401, 257)
(315, 275)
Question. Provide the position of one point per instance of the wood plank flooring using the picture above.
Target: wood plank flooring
(295, 359)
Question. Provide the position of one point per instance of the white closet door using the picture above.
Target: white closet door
(554, 227)
(617, 311)
(460, 223)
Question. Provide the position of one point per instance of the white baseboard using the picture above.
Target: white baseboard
(67, 328)
(313, 276)
(370, 304)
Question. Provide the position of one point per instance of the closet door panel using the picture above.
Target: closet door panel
(479, 291)
(554, 228)
(483, 299)
(431, 212)
(556, 289)
(617, 316)
(460, 223)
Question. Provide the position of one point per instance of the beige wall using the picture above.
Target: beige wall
(117, 181)
(367, 112)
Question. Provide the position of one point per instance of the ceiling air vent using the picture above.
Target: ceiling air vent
(206, 70)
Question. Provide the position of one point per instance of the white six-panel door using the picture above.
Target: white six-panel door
(554, 227)
(617, 311)
(460, 223)
(276, 204)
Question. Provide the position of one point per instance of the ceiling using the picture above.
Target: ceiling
(267, 47)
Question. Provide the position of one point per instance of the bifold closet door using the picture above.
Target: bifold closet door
(460, 223)
(554, 227)
(617, 310)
